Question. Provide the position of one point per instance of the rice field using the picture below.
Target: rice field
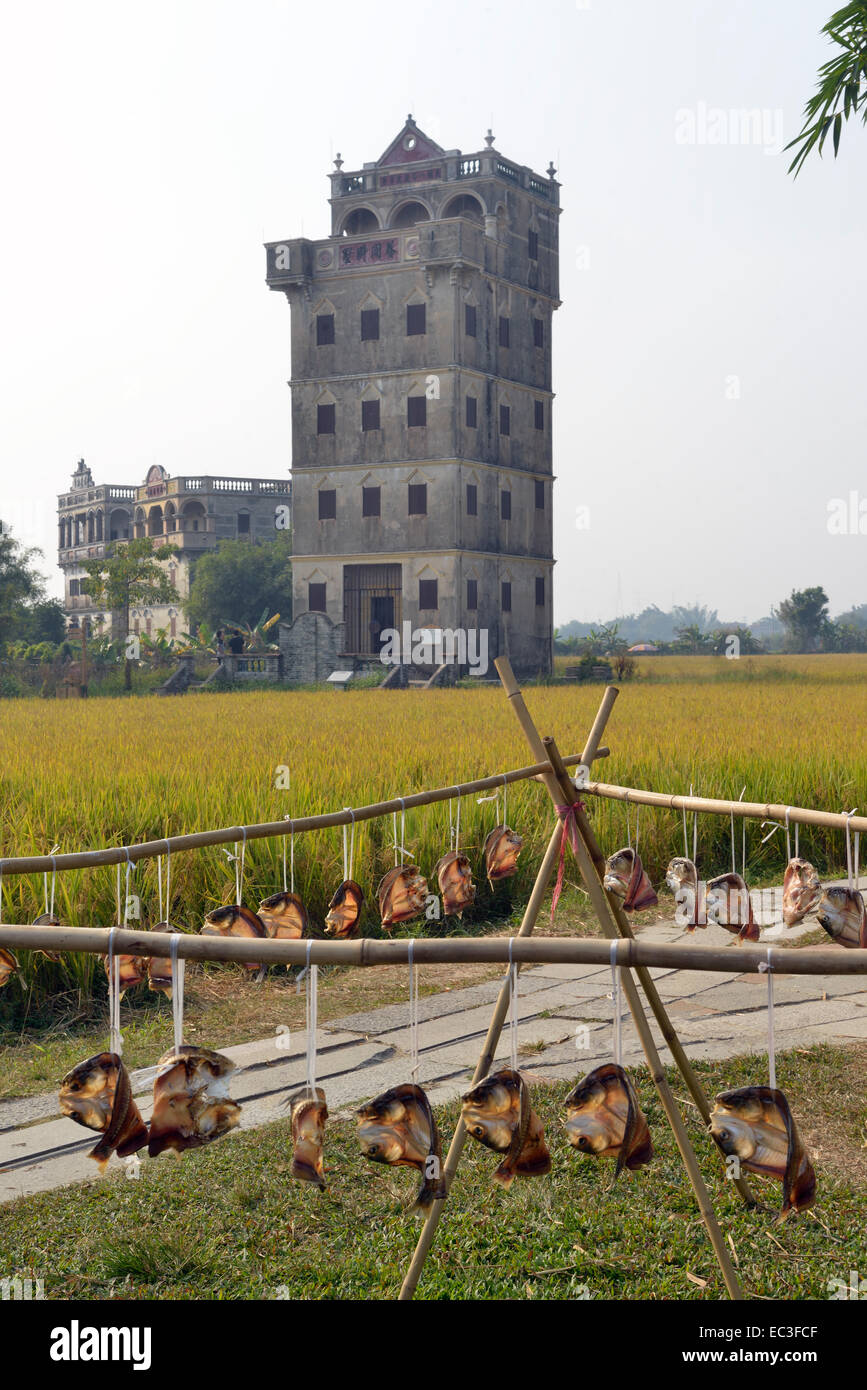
(115, 771)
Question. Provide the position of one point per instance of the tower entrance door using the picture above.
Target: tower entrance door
(371, 603)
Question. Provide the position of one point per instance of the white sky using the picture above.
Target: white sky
(149, 151)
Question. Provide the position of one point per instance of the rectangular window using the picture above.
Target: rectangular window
(533, 245)
(243, 523)
(506, 596)
(370, 501)
(316, 598)
(415, 320)
(369, 325)
(325, 419)
(327, 503)
(538, 333)
(540, 591)
(416, 410)
(540, 495)
(472, 412)
(324, 329)
(470, 320)
(472, 499)
(370, 415)
(506, 505)
(417, 504)
(472, 594)
(505, 419)
(427, 593)
(539, 414)
(503, 333)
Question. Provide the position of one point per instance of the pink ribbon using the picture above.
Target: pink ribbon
(570, 830)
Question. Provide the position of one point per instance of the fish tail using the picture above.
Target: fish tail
(432, 1190)
(504, 1175)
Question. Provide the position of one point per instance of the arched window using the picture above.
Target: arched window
(409, 214)
(465, 205)
(359, 221)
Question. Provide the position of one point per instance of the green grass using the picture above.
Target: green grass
(229, 1223)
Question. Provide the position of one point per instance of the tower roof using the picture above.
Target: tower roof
(409, 145)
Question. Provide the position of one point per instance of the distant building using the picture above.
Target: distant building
(192, 513)
(422, 403)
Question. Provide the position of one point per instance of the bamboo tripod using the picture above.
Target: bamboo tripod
(614, 924)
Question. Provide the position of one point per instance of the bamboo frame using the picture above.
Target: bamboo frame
(151, 849)
(749, 810)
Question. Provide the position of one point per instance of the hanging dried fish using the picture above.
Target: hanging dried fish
(308, 1115)
(191, 1100)
(98, 1094)
(842, 914)
(344, 910)
(401, 894)
(283, 916)
(498, 1113)
(502, 848)
(132, 970)
(160, 967)
(235, 920)
(626, 878)
(755, 1125)
(48, 919)
(604, 1118)
(399, 1128)
(728, 904)
(801, 891)
(682, 878)
(8, 965)
(455, 877)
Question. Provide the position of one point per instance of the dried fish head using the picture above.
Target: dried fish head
(755, 1125)
(626, 878)
(191, 1100)
(235, 920)
(498, 1113)
(604, 1118)
(344, 910)
(160, 967)
(398, 1128)
(8, 965)
(801, 891)
(308, 1116)
(728, 904)
(48, 919)
(455, 877)
(682, 878)
(97, 1094)
(283, 916)
(502, 848)
(402, 894)
(841, 912)
(131, 971)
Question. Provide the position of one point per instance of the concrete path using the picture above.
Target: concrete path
(565, 1029)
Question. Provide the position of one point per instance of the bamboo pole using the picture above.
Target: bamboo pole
(602, 908)
(749, 810)
(645, 979)
(495, 1029)
(461, 950)
(151, 849)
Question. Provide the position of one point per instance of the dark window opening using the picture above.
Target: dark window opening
(415, 319)
(370, 415)
(325, 419)
(505, 419)
(472, 594)
(472, 499)
(416, 410)
(470, 320)
(369, 325)
(243, 523)
(538, 333)
(540, 591)
(327, 503)
(533, 245)
(472, 412)
(503, 332)
(417, 494)
(371, 501)
(539, 414)
(506, 505)
(427, 593)
(506, 596)
(324, 329)
(316, 598)
(540, 495)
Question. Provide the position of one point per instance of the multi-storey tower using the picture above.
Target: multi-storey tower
(421, 399)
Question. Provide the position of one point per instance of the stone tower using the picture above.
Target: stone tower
(421, 400)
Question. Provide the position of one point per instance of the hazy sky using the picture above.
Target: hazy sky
(709, 352)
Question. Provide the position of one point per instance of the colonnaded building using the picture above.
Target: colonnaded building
(191, 513)
(421, 404)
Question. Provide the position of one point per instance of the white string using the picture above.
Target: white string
(734, 855)
(239, 864)
(53, 883)
(126, 896)
(413, 1013)
(618, 1007)
(178, 967)
(628, 833)
(685, 835)
(168, 883)
(767, 967)
(857, 854)
(743, 839)
(115, 1039)
(402, 829)
(513, 1005)
(849, 815)
(312, 972)
(160, 887)
(695, 837)
(457, 821)
(637, 822)
(788, 837)
(505, 786)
